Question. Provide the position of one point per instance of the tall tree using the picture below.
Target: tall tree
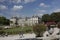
(46, 17)
(55, 16)
(4, 21)
(52, 17)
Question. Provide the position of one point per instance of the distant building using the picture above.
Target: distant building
(13, 21)
(27, 21)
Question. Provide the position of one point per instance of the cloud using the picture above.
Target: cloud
(23, 1)
(1, 14)
(28, 1)
(41, 11)
(43, 5)
(9, 14)
(14, 14)
(57, 10)
(17, 7)
(2, 7)
(2, 0)
(40, 14)
(16, 1)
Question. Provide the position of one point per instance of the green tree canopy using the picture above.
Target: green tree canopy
(4, 21)
(55, 16)
(46, 17)
(52, 17)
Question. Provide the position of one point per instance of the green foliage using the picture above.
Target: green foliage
(27, 29)
(14, 30)
(17, 30)
(2, 32)
(55, 16)
(4, 21)
(46, 17)
(52, 17)
(1, 28)
(38, 29)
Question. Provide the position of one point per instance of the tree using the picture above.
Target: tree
(55, 16)
(46, 17)
(38, 29)
(4, 21)
(52, 17)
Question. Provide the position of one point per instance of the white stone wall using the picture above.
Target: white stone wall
(13, 21)
(30, 21)
(21, 22)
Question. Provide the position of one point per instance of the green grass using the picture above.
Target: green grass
(16, 30)
(13, 30)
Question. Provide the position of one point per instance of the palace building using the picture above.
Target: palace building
(26, 21)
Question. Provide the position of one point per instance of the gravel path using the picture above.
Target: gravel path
(15, 37)
(10, 37)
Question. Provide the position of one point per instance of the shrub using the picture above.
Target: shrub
(16, 30)
(39, 29)
(2, 32)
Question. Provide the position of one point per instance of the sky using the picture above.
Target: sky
(22, 8)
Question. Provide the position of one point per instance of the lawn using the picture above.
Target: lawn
(17, 30)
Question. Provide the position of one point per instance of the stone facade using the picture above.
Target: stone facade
(27, 21)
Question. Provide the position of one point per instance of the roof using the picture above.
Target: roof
(50, 23)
